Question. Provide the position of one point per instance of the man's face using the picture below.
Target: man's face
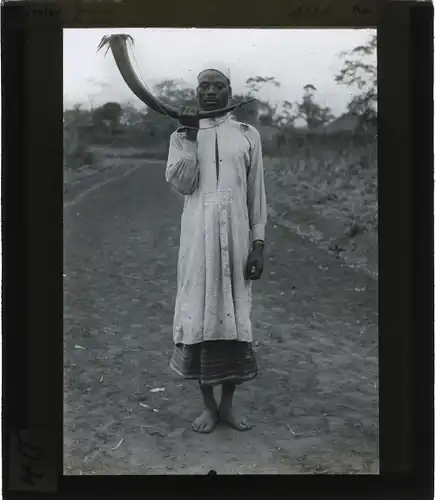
(213, 91)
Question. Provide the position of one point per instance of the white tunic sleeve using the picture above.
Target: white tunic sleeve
(256, 197)
(182, 167)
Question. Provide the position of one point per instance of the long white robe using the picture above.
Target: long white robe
(221, 218)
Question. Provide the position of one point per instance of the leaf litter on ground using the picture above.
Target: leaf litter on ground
(118, 445)
(295, 434)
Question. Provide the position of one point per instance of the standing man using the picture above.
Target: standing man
(217, 164)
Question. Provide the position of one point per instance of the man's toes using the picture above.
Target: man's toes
(200, 425)
(204, 423)
(202, 428)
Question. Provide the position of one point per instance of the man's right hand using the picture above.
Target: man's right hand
(191, 121)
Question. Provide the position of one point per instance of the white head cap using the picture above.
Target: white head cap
(216, 66)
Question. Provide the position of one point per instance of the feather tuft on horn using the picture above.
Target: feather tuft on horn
(106, 40)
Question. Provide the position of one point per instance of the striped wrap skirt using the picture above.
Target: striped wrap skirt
(214, 362)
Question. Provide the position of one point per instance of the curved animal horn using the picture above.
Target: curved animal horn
(118, 46)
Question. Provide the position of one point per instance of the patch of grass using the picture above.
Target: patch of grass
(336, 185)
(332, 182)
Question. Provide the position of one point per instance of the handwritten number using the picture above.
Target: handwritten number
(28, 475)
(26, 449)
(31, 455)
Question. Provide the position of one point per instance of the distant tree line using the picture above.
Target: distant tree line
(112, 119)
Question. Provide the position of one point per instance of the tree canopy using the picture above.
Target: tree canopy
(360, 73)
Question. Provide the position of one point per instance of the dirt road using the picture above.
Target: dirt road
(315, 402)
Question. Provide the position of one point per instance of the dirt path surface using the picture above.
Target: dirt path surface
(315, 402)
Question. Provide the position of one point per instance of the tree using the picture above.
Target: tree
(249, 113)
(108, 116)
(132, 117)
(311, 112)
(257, 82)
(286, 117)
(174, 92)
(266, 113)
(360, 71)
(77, 113)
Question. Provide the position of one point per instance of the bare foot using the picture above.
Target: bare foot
(206, 422)
(231, 418)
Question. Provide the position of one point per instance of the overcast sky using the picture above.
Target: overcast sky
(294, 57)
